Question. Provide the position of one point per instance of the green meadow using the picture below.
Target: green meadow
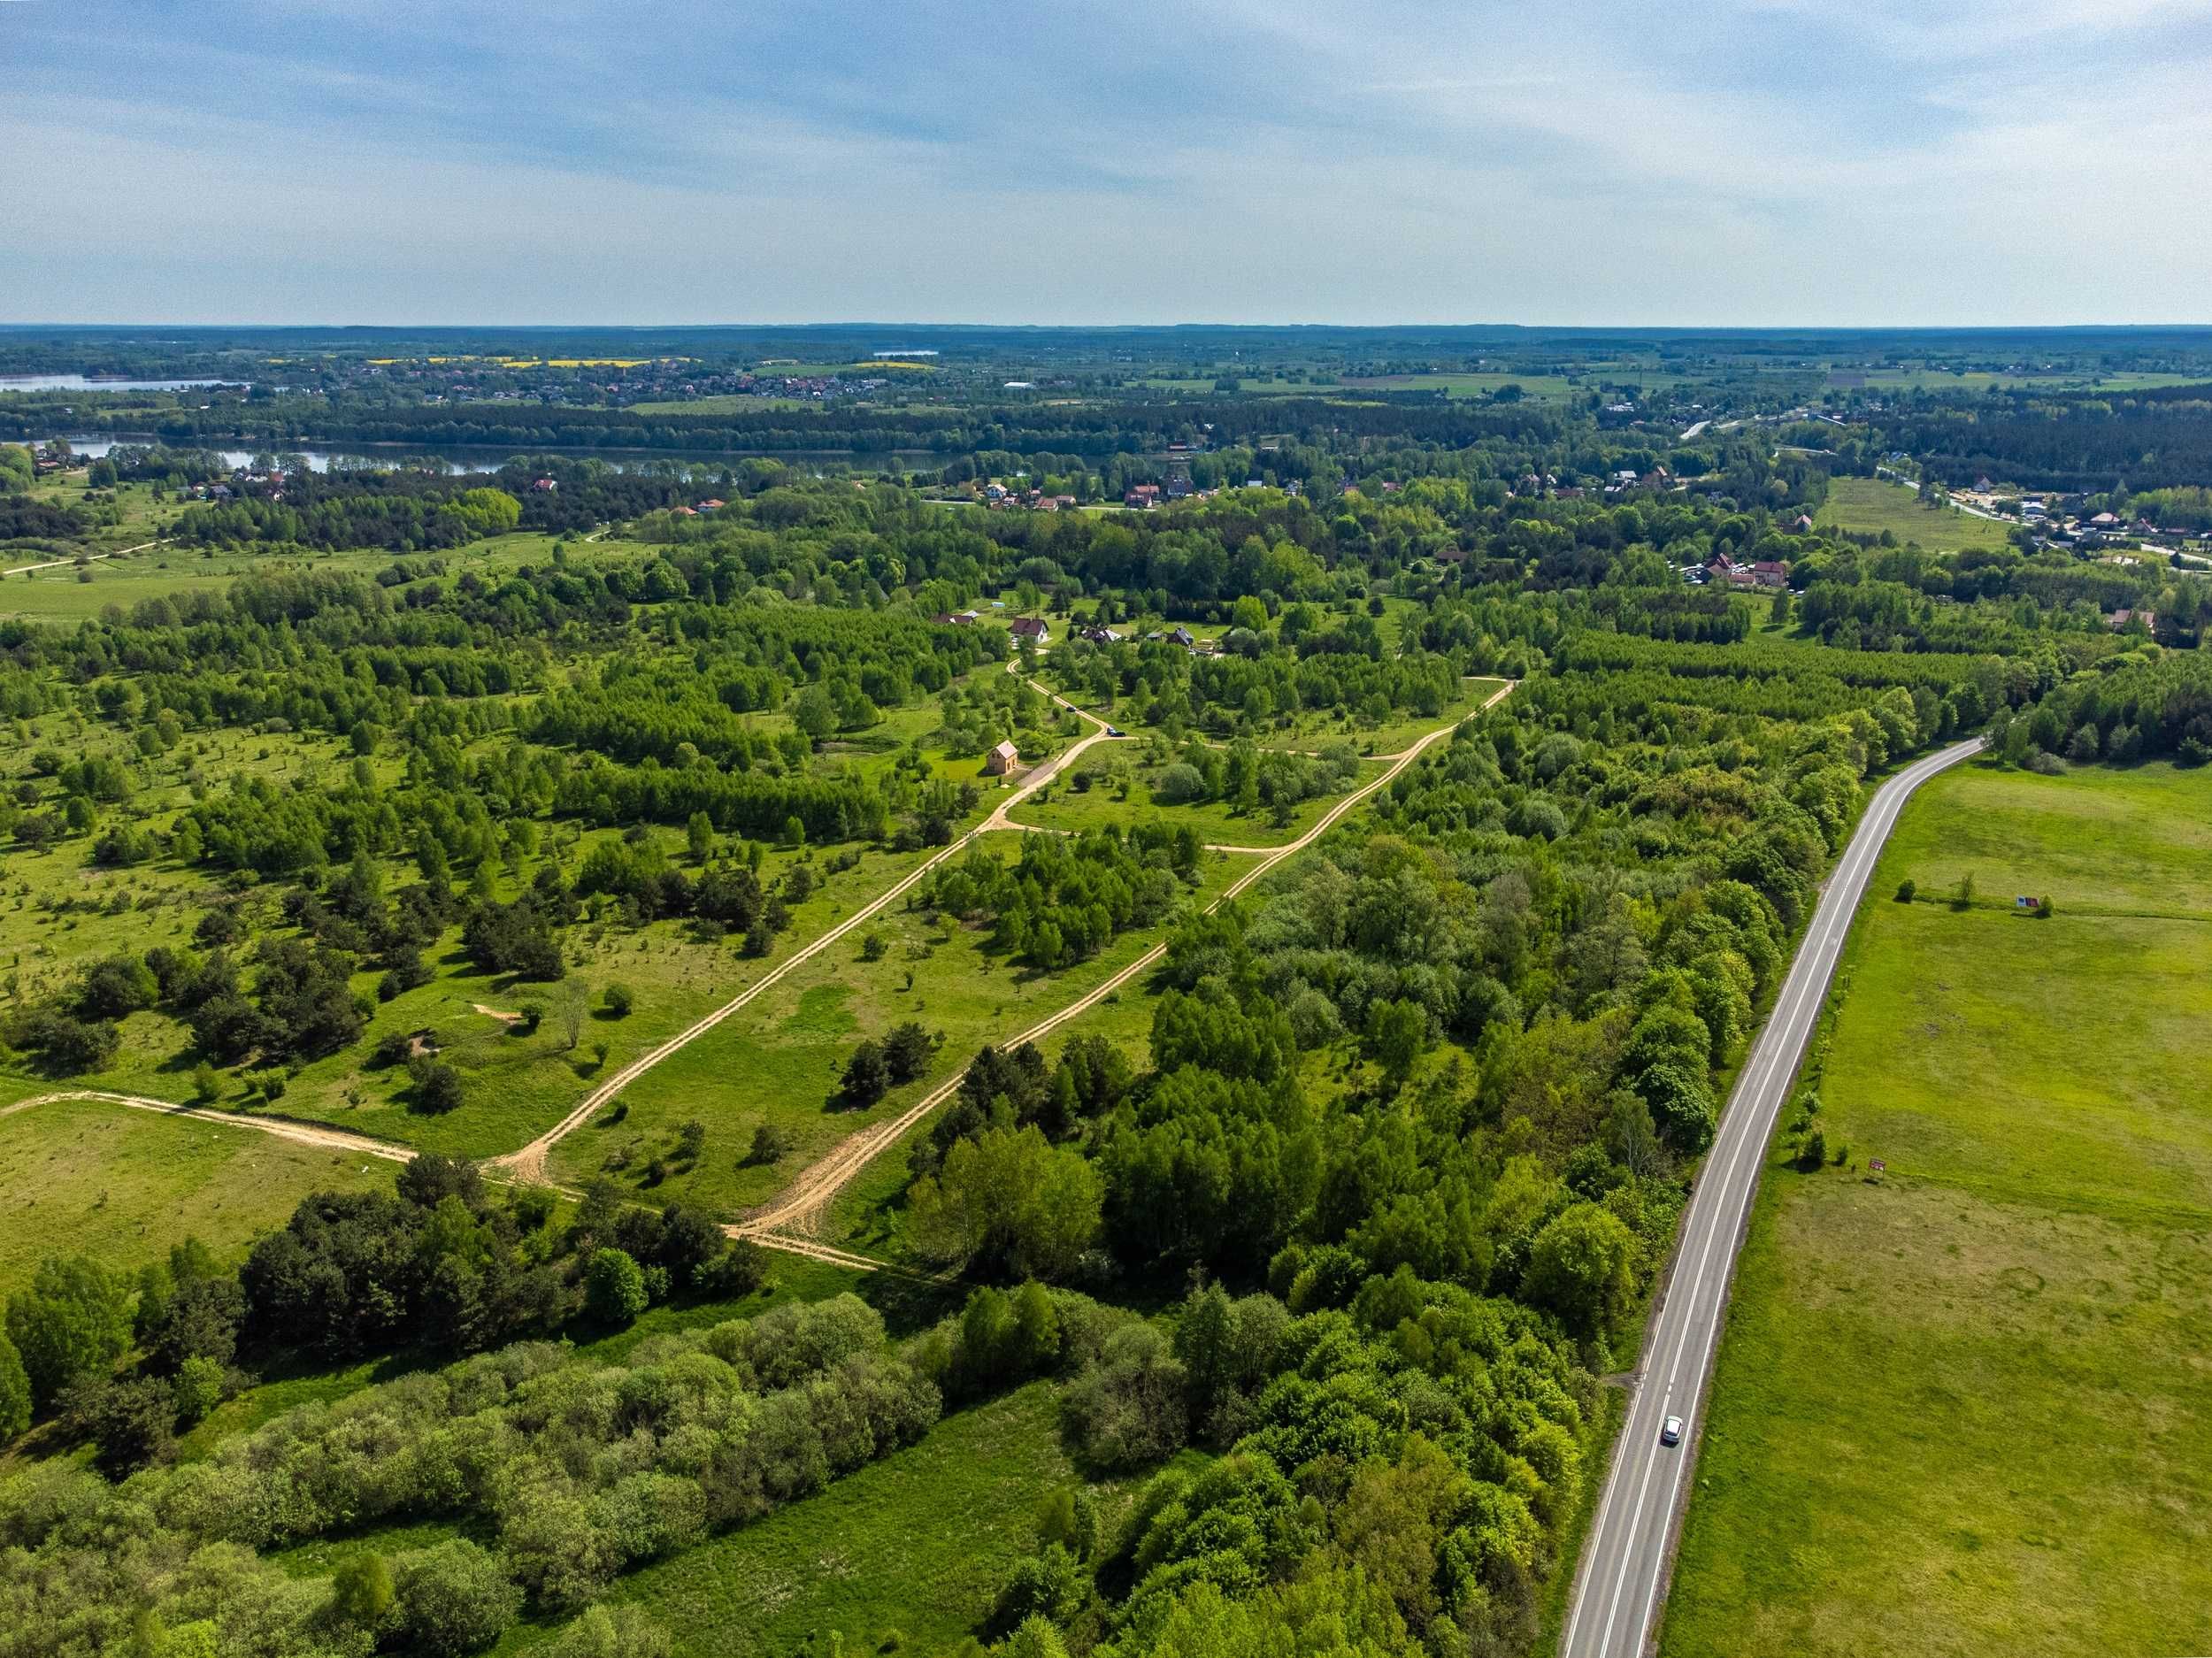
(123, 1184)
(778, 1062)
(1962, 1407)
(1866, 506)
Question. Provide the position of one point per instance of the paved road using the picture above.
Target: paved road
(1628, 1556)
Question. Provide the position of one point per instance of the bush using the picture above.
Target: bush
(618, 1001)
(1180, 785)
(195, 1389)
(1815, 1152)
(1127, 1409)
(619, 1631)
(1905, 891)
(770, 1145)
(452, 1598)
(437, 1085)
(614, 1287)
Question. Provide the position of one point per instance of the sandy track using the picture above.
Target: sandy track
(800, 1209)
(90, 558)
(299, 1133)
(529, 1162)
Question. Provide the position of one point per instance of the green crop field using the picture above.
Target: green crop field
(1962, 1409)
(1866, 506)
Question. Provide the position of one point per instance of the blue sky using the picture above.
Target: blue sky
(1752, 162)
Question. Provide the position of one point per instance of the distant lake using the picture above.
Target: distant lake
(461, 461)
(78, 382)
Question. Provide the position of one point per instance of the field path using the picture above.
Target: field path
(529, 1162)
(800, 1209)
(56, 564)
(291, 1128)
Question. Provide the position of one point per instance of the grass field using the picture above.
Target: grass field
(1866, 506)
(1962, 1409)
(1217, 822)
(122, 1185)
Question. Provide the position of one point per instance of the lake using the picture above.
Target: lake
(460, 461)
(78, 382)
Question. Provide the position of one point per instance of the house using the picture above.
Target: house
(2120, 618)
(712, 506)
(1771, 573)
(1804, 526)
(1101, 636)
(544, 485)
(1000, 760)
(1030, 627)
(1181, 635)
(1141, 496)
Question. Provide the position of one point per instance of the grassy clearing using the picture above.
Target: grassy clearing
(58, 912)
(1866, 506)
(122, 1185)
(1218, 823)
(779, 1061)
(1961, 1411)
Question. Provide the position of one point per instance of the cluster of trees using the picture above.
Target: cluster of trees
(571, 1472)
(371, 513)
(2144, 706)
(2077, 441)
(1064, 898)
(439, 1269)
(1251, 779)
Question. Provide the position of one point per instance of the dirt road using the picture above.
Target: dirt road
(529, 1162)
(284, 1128)
(800, 1208)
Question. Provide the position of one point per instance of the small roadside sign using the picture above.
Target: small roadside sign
(1875, 1165)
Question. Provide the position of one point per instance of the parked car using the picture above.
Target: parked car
(1670, 1431)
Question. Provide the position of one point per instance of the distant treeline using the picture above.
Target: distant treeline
(1093, 430)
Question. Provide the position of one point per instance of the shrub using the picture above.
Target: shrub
(618, 1632)
(1180, 785)
(1815, 1152)
(770, 1145)
(618, 1001)
(437, 1085)
(614, 1287)
(452, 1598)
(361, 1590)
(1905, 891)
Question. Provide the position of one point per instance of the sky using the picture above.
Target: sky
(1742, 163)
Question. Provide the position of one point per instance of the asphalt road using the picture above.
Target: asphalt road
(1630, 1551)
